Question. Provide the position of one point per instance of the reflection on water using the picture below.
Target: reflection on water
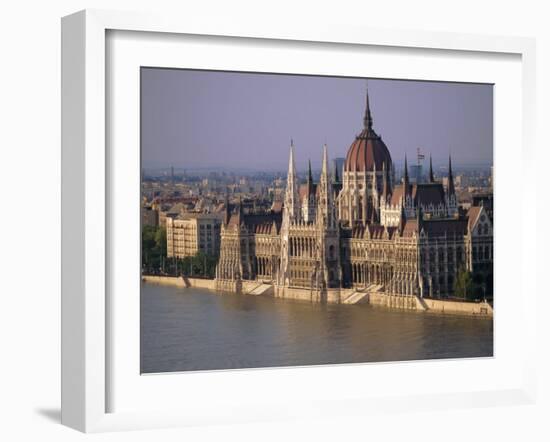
(194, 329)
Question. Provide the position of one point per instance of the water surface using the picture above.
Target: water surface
(195, 329)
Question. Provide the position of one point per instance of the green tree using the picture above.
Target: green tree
(464, 284)
(199, 265)
(160, 240)
(153, 248)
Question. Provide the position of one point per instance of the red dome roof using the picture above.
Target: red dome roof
(366, 151)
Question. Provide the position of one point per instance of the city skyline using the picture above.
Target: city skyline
(188, 116)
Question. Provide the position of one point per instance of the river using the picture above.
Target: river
(195, 329)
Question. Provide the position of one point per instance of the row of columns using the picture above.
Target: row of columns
(263, 266)
(370, 273)
(302, 247)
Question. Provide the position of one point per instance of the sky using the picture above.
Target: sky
(244, 121)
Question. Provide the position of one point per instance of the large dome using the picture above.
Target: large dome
(368, 150)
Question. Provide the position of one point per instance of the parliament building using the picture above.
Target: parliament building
(360, 233)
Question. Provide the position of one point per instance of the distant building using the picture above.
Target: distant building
(189, 234)
(172, 212)
(149, 216)
(416, 173)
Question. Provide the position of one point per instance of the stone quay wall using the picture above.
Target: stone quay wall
(329, 296)
(178, 281)
(334, 296)
(481, 309)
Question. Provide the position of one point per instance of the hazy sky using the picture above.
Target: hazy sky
(193, 119)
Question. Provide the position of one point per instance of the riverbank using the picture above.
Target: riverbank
(338, 296)
(248, 287)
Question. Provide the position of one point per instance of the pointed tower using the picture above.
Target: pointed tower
(451, 187)
(291, 214)
(308, 200)
(325, 206)
(328, 232)
(452, 203)
(227, 213)
(367, 119)
(406, 181)
(432, 180)
(292, 199)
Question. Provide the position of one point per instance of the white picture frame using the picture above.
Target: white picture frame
(86, 316)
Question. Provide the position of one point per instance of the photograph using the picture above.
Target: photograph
(301, 220)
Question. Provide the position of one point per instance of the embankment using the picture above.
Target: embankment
(334, 296)
(248, 287)
(179, 281)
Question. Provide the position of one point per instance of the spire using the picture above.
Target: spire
(324, 168)
(227, 214)
(336, 174)
(292, 200)
(367, 120)
(432, 180)
(406, 180)
(309, 175)
(324, 209)
(451, 188)
(291, 167)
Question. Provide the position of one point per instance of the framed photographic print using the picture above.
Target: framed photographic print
(250, 214)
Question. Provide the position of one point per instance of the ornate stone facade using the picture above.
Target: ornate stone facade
(373, 234)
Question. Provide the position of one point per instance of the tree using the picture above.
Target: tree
(199, 265)
(464, 284)
(153, 248)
